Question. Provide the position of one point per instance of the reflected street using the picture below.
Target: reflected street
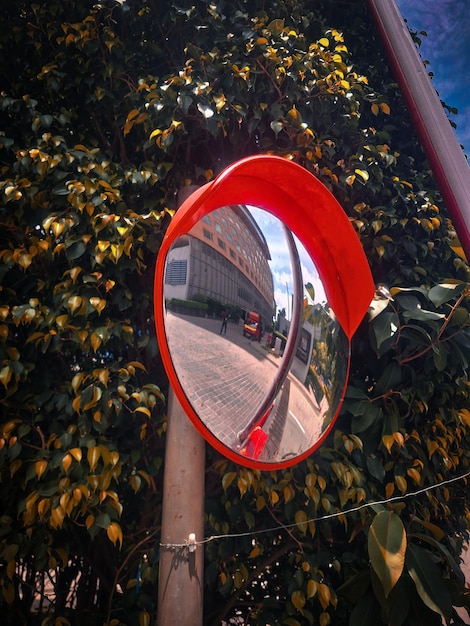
(227, 376)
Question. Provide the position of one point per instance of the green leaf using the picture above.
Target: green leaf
(440, 548)
(387, 546)
(440, 357)
(423, 315)
(76, 250)
(310, 290)
(375, 467)
(366, 612)
(276, 127)
(103, 520)
(440, 294)
(385, 326)
(390, 378)
(428, 581)
(276, 27)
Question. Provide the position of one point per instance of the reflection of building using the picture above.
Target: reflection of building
(224, 257)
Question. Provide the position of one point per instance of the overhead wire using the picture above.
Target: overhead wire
(320, 518)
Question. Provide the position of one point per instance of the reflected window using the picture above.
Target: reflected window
(218, 227)
(206, 219)
(207, 234)
(176, 272)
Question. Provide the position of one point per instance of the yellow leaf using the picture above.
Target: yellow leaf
(57, 517)
(227, 479)
(437, 532)
(401, 483)
(301, 521)
(94, 399)
(375, 109)
(60, 321)
(76, 453)
(76, 404)
(137, 364)
(5, 375)
(363, 174)
(102, 375)
(144, 618)
(298, 600)
(135, 482)
(114, 533)
(143, 409)
(113, 457)
(325, 619)
(25, 260)
(311, 588)
(324, 42)
(294, 117)
(103, 245)
(74, 303)
(414, 475)
(97, 303)
(95, 341)
(74, 273)
(66, 462)
(324, 594)
(15, 466)
(464, 415)
(43, 506)
(40, 467)
(385, 108)
(93, 456)
(458, 249)
(132, 114)
(388, 441)
(254, 553)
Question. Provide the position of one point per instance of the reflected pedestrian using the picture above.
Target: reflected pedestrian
(223, 328)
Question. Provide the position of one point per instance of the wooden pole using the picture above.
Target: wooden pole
(180, 585)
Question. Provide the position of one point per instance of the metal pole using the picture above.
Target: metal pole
(437, 137)
(181, 572)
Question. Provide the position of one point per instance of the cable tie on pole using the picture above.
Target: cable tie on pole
(192, 542)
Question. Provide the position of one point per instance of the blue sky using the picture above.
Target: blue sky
(447, 48)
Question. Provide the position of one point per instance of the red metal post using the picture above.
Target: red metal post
(437, 136)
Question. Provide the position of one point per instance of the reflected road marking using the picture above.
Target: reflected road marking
(298, 423)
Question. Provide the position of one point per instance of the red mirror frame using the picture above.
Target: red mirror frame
(293, 195)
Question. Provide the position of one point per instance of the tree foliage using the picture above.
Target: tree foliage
(106, 110)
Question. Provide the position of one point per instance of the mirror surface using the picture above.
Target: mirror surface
(229, 302)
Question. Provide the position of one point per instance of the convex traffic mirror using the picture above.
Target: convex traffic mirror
(260, 284)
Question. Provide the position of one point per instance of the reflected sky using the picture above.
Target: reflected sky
(280, 262)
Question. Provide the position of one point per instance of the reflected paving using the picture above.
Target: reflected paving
(226, 377)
